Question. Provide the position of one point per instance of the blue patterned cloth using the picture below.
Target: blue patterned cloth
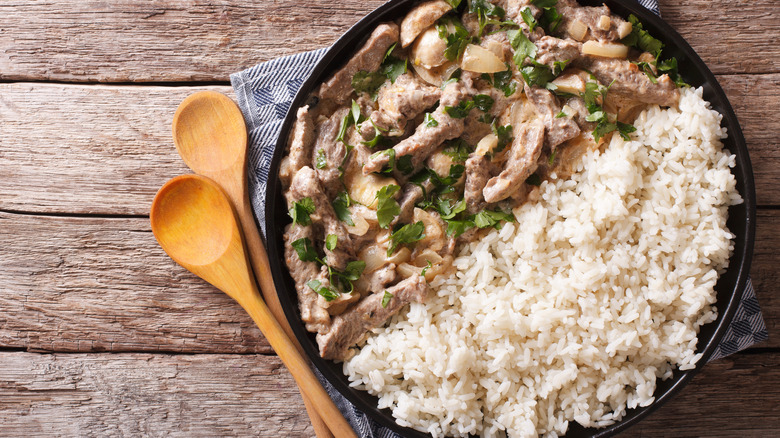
(265, 93)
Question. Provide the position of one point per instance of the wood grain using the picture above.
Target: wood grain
(206, 40)
(112, 144)
(96, 284)
(249, 395)
(103, 284)
(148, 395)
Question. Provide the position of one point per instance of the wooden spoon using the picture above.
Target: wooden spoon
(195, 224)
(210, 136)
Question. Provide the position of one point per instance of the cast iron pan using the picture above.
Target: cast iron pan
(741, 220)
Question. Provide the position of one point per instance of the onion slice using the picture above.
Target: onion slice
(481, 60)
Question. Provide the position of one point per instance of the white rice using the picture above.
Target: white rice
(573, 312)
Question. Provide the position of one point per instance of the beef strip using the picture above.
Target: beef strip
(427, 138)
(410, 196)
(551, 50)
(351, 326)
(521, 163)
(399, 102)
(589, 16)
(315, 317)
(379, 279)
(557, 129)
(339, 87)
(326, 145)
(630, 81)
(305, 184)
(299, 146)
(478, 172)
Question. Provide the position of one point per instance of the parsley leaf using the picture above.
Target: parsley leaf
(453, 3)
(648, 70)
(460, 111)
(300, 211)
(326, 292)
(386, 299)
(458, 150)
(331, 241)
(483, 9)
(341, 206)
(457, 41)
(522, 46)
(483, 102)
(429, 121)
(641, 39)
(305, 250)
(528, 18)
(487, 218)
(425, 269)
(408, 233)
(457, 227)
(447, 210)
(502, 81)
(544, 3)
(537, 74)
(391, 159)
(404, 164)
(624, 129)
(387, 207)
(368, 82)
(393, 68)
(321, 161)
(669, 67)
(550, 19)
(504, 134)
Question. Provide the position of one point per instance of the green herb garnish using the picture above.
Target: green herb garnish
(341, 206)
(387, 207)
(461, 110)
(305, 249)
(483, 102)
(408, 233)
(326, 292)
(429, 121)
(331, 241)
(386, 299)
(300, 211)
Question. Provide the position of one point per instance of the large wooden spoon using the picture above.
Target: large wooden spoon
(194, 222)
(210, 136)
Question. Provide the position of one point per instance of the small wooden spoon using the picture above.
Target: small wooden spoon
(195, 224)
(210, 135)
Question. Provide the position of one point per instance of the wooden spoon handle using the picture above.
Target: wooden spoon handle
(260, 265)
(297, 365)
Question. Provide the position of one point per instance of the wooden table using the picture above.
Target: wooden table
(102, 334)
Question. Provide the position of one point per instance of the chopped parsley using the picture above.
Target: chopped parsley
(353, 117)
(528, 18)
(331, 241)
(550, 18)
(321, 161)
(342, 280)
(408, 233)
(504, 134)
(390, 159)
(484, 9)
(425, 269)
(387, 207)
(429, 121)
(305, 250)
(537, 74)
(488, 218)
(457, 41)
(483, 102)
(522, 46)
(341, 206)
(324, 291)
(502, 81)
(370, 82)
(669, 66)
(404, 164)
(458, 150)
(641, 39)
(461, 110)
(386, 299)
(300, 211)
(544, 3)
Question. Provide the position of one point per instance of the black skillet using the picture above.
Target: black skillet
(741, 220)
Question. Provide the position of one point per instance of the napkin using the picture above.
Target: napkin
(264, 94)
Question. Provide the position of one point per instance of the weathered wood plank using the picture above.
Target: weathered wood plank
(107, 149)
(247, 395)
(135, 40)
(148, 395)
(93, 284)
(84, 284)
(206, 40)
